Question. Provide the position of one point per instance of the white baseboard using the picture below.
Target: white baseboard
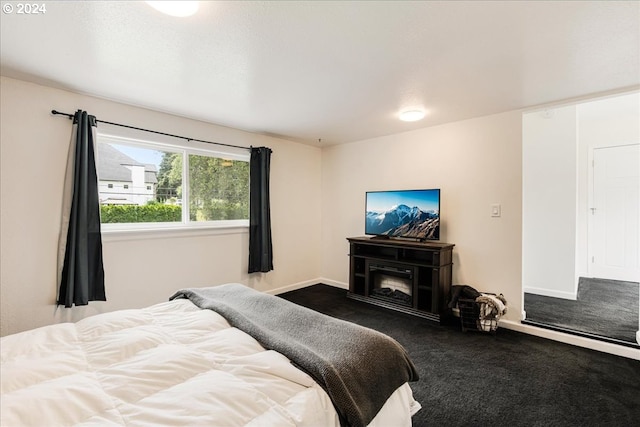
(333, 283)
(551, 293)
(292, 287)
(605, 347)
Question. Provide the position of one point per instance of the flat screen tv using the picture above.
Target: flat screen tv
(413, 214)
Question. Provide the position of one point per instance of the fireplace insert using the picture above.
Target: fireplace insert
(391, 283)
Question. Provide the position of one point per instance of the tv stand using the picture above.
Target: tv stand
(409, 276)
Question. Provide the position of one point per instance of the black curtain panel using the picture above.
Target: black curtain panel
(260, 249)
(81, 273)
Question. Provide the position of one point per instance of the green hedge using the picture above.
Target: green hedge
(155, 212)
(216, 210)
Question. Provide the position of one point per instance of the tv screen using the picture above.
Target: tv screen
(406, 213)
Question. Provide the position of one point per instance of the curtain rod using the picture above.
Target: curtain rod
(70, 116)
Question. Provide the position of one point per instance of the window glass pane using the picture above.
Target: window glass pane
(218, 189)
(138, 184)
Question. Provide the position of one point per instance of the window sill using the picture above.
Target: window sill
(115, 235)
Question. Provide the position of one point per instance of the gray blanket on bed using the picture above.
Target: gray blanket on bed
(359, 368)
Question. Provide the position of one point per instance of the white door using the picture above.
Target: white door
(615, 213)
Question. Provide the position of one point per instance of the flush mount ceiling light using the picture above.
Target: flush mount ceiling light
(412, 115)
(175, 8)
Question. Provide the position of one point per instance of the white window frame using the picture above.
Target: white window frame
(185, 226)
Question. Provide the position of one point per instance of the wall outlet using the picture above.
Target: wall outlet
(496, 210)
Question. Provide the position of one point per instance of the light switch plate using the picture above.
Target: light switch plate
(496, 210)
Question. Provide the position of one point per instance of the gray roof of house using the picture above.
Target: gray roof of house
(112, 162)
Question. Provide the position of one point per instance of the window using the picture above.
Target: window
(170, 185)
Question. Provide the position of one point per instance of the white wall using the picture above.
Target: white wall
(549, 199)
(476, 163)
(139, 271)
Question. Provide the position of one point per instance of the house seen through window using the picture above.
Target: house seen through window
(165, 185)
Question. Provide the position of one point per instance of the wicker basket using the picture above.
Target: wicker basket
(470, 317)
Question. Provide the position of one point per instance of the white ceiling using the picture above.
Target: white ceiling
(338, 71)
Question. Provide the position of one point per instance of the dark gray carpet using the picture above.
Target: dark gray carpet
(608, 308)
(510, 379)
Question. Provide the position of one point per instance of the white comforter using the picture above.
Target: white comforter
(170, 364)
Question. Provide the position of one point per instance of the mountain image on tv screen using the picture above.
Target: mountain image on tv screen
(408, 213)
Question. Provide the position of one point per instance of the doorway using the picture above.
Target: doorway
(581, 191)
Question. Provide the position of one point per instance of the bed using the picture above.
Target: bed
(183, 363)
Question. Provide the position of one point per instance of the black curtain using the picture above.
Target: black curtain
(81, 273)
(260, 249)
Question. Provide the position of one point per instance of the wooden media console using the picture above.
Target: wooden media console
(409, 276)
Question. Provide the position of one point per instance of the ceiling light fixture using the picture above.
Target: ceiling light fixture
(175, 8)
(412, 115)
